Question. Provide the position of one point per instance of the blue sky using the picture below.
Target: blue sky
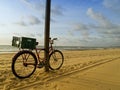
(73, 22)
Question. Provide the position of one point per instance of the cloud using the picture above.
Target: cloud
(33, 20)
(57, 10)
(2, 24)
(21, 23)
(105, 27)
(103, 21)
(113, 5)
(104, 24)
(81, 27)
(95, 34)
(34, 4)
(39, 6)
(28, 20)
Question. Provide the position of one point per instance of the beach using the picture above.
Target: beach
(82, 70)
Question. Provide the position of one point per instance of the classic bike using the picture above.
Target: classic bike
(25, 62)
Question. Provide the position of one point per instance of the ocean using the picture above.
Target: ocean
(10, 49)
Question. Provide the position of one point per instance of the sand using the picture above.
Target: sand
(82, 70)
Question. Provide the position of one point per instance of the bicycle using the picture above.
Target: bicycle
(25, 62)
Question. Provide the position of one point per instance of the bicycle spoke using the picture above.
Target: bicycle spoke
(25, 56)
(24, 64)
(56, 60)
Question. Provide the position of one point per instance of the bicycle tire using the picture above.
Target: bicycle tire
(17, 64)
(56, 60)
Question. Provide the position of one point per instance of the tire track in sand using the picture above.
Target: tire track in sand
(63, 73)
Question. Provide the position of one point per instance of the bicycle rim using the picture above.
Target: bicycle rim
(56, 60)
(24, 64)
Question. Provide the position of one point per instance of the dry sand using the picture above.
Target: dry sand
(82, 70)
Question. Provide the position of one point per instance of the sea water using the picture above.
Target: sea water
(10, 49)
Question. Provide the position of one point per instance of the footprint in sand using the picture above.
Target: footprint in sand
(56, 87)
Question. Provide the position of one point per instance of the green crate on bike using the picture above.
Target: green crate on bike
(28, 43)
(24, 42)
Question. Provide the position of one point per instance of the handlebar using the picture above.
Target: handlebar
(51, 41)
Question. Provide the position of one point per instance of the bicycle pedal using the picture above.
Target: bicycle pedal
(40, 65)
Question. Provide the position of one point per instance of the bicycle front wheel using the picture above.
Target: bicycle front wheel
(56, 60)
(24, 64)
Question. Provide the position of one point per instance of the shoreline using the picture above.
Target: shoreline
(11, 49)
(84, 49)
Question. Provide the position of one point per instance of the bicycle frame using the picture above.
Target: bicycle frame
(51, 49)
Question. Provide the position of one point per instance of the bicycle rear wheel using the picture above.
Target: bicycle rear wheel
(24, 64)
(56, 60)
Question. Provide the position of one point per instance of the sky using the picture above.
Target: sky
(73, 22)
